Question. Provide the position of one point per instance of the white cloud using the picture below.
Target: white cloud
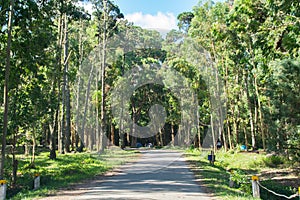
(160, 21)
(88, 6)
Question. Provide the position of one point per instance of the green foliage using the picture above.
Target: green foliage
(185, 19)
(241, 180)
(65, 170)
(253, 43)
(111, 12)
(280, 189)
(238, 167)
(216, 178)
(273, 161)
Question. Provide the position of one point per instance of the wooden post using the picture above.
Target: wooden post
(3, 187)
(37, 181)
(255, 187)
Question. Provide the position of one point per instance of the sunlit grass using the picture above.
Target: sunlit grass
(66, 170)
(216, 178)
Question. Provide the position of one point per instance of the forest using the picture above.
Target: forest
(62, 68)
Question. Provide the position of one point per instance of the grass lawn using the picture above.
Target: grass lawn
(66, 170)
(243, 166)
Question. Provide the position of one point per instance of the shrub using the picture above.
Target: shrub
(241, 181)
(273, 161)
(278, 188)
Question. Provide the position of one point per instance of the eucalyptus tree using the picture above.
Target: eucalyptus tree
(283, 111)
(245, 39)
(71, 14)
(206, 28)
(107, 15)
(81, 40)
(266, 30)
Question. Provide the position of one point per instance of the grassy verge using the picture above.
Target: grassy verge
(243, 166)
(66, 170)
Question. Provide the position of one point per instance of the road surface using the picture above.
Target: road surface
(157, 175)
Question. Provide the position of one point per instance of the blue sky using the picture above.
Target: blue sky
(154, 6)
(153, 14)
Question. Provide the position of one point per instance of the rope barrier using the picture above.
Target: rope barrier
(279, 195)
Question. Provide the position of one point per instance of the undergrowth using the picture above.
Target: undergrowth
(238, 167)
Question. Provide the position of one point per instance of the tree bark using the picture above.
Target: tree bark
(246, 137)
(33, 142)
(53, 132)
(14, 160)
(112, 134)
(250, 112)
(229, 134)
(103, 96)
(173, 135)
(213, 132)
(260, 113)
(27, 145)
(82, 130)
(58, 71)
(6, 87)
(67, 89)
(77, 131)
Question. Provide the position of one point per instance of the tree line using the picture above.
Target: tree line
(46, 45)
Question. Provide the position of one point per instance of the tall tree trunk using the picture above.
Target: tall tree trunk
(198, 128)
(53, 132)
(33, 141)
(246, 137)
(213, 132)
(78, 131)
(227, 122)
(112, 134)
(60, 127)
(157, 139)
(98, 132)
(225, 141)
(161, 137)
(68, 119)
(90, 138)
(66, 89)
(6, 87)
(33, 146)
(173, 135)
(87, 94)
(54, 124)
(236, 131)
(121, 128)
(103, 95)
(64, 130)
(27, 145)
(260, 113)
(229, 134)
(133, 134)
(14, 160)
(250, 112)
(98, 140)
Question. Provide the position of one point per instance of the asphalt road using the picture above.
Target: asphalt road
(158, 174)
